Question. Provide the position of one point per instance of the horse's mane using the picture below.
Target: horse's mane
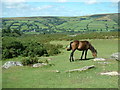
(92, 48)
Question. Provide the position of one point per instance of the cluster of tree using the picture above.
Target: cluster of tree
(12, 49)
(9, 32)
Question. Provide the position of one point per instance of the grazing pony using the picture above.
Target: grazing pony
(81, 46)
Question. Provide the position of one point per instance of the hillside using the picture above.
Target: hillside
(92, 23)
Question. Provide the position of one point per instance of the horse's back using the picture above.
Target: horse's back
(75, 44)
(83, 45)
(80, 45)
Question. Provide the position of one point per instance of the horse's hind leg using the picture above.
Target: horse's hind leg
(86, 54)
(82, 54)
(70, 58)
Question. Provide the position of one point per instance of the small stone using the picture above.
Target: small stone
(116, 56)
(49, 59)
(39, 64)
(113, 73)
(103, 62)
(54, 71)
(99, 59)
(44, 64)
(18, 64)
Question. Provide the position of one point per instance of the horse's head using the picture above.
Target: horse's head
(94, 53)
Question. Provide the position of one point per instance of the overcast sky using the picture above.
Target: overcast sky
(26, 8)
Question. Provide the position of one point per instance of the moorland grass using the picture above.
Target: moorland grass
(28, 77)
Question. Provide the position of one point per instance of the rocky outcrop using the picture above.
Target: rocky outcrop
(9, 64)
(116, 56)
(81, 69)
(39, 64)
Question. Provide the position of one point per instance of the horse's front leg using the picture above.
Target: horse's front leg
(71, 55)
(82, 54)
(70, 58)
(86, 54)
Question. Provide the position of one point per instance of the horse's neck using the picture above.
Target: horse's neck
(92, 48)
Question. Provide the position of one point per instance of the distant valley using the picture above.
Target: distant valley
(48, 24)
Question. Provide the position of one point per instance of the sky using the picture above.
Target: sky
(29, 8)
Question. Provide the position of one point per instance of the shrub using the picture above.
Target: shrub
(29, 60)
(52, 49)
(33, 49)
(12, 49)
(59, 46)
(6, 54)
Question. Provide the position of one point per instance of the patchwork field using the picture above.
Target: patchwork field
(80, 24)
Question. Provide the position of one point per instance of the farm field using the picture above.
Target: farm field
(80, 24)
(43, 77)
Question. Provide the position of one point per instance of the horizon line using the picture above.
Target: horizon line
(59, 16)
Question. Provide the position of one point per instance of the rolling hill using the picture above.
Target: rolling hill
(49, 24)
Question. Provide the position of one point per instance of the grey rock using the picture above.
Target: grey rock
(116, 56)
(49, 59)
(113, 73)
(39, 64)
(81, 69)
(103, 62)
(99, 59)
(9, 64)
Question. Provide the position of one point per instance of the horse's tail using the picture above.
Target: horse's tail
(69, 47)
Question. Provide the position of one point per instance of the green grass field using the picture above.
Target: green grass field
(43, 77)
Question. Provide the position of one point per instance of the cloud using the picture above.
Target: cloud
(42, 7)
(91, 2)
(114, 0)
(13, 1)
(17, 6)
(16, 1)
(62, 0)
(86, 1)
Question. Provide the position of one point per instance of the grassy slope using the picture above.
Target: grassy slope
(28, 77)
(74, 24)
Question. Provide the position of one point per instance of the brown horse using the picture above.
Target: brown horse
(81, 46)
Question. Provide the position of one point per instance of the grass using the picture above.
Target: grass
(28, 77)
(0, 75)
